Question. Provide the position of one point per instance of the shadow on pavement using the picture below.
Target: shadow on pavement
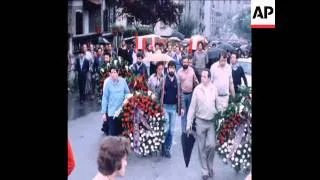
(77, 110)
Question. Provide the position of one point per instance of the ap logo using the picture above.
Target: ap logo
(263, 14)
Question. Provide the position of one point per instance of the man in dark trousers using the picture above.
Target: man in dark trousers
(237, 73)
(82, 67)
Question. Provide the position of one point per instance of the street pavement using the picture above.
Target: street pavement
(84, 132)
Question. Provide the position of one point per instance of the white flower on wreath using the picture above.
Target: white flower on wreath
(117, 113)
(242, 100)
(153, 96)
(126, 67)
(120, 59)
(224, 160)
(129, 95)
(149, 93)
(241, 108)
(102, 70)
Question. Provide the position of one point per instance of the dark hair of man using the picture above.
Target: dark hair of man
(172, 64)
(186, 57)
(112, 150)
(159, 64)
(201, 44)
(114, 67)
(107, 53)
(235, 53)
(207, 70)
(139, 54)
(224, 54)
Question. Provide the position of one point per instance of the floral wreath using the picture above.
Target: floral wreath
(233, 127)
(143, 122)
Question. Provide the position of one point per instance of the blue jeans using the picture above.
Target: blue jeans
(186, 101)
(170, 115)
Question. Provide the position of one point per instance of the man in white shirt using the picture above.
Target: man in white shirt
(203, 108)
(222, 79)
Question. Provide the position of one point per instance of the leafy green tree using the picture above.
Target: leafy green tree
(149, 12)
(187, 27)
(242, 24)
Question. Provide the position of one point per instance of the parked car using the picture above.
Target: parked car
(246, 65)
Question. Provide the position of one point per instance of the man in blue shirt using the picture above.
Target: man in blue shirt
(114, 90)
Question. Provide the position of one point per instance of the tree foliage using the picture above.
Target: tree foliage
(186, 27)
(242, 24)
(150, 11)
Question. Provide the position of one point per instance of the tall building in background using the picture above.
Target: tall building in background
(221, 12)
(194, 10)
(211, 16)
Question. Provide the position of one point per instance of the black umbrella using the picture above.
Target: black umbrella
(187, 146)
(226, 46)
(236, 45)
(213, 55)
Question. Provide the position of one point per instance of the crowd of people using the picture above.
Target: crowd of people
(187, 86)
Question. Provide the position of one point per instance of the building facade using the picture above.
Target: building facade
(212, 15)
(87, 18)
(221, 12)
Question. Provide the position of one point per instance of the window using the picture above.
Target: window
(79, 22)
